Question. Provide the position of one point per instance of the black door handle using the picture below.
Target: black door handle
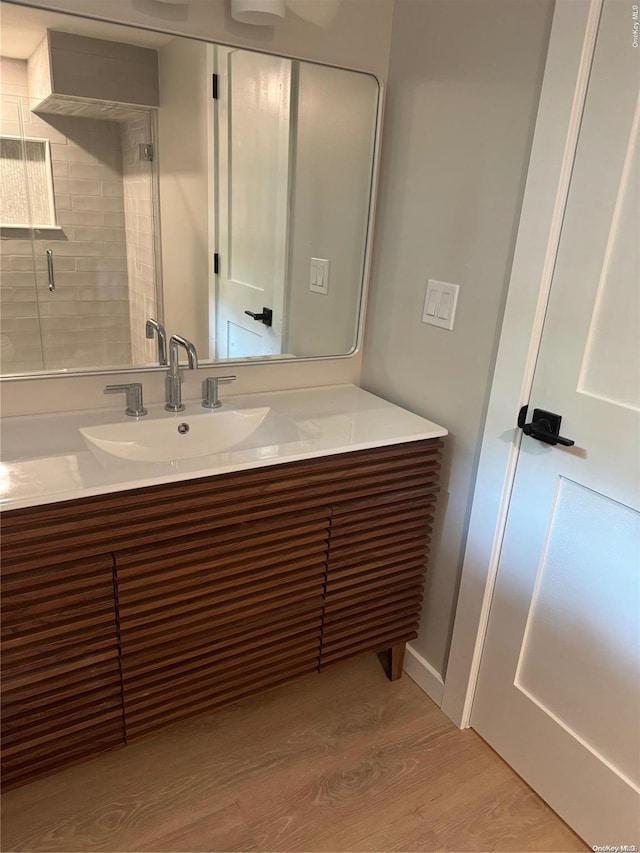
(265, 317)
(544, 426)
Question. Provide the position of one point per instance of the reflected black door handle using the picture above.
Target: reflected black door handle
(544, 426)
(265, 317)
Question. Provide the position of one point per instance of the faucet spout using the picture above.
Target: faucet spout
(153, 327)
(192, 356)
(173, 381)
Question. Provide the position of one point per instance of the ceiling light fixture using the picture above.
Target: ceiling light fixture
(260, 12)
(269, 12)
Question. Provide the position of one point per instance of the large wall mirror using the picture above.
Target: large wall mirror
(221, 192)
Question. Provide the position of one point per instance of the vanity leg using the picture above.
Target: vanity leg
(394, 661)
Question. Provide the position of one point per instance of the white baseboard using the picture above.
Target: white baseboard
(424, 675)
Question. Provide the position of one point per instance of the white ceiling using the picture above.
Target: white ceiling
(22, 28)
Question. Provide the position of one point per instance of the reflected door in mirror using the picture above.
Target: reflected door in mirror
(253, 155)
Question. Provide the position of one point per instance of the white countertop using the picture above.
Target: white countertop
(45, 458)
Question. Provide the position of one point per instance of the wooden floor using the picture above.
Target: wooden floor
(345, 761)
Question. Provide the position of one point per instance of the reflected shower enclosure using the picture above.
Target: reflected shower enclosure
(79, 235)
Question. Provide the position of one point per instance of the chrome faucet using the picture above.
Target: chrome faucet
(173, 381)
(151, 327)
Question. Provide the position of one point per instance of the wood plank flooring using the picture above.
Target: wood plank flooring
(343, 762)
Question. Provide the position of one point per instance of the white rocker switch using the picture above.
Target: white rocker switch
(440, 303)
(319, 276)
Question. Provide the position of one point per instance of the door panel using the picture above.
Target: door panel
(559, 688)
(206, 620)
(610, 370)
(253, 166)
(61, 695)
(583, 600)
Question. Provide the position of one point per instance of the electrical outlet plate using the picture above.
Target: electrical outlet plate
(440, 304)
(319, 276)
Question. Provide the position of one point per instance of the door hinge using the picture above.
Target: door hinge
(216, 264)
(146, 152)
(214, 86)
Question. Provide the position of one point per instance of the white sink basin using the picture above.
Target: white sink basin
(170, 438)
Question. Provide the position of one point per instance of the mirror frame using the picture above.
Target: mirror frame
(368, 247)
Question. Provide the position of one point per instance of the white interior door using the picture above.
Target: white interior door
(559, 688)
(253, 169)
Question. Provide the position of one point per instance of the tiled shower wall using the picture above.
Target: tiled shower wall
(86, 321)
(139, 224)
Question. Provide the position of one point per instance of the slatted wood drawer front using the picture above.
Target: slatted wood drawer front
(124, 519)
(377, 561)
(61, 696)
(209, 619)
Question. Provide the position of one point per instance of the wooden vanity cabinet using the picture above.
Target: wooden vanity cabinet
(128, 612)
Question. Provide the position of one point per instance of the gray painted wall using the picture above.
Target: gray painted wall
(358, 36)
(184, 137)
(463, 88)
(333, 149)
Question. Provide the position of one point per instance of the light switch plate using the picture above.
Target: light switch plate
(319, 276)
(440, 303)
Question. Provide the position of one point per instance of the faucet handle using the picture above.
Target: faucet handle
(210, 391)
(135, 407)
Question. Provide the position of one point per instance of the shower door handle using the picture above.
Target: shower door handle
(50, 271)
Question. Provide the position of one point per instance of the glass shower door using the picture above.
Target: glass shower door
(23, 167)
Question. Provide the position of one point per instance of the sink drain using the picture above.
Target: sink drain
(183, 429)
